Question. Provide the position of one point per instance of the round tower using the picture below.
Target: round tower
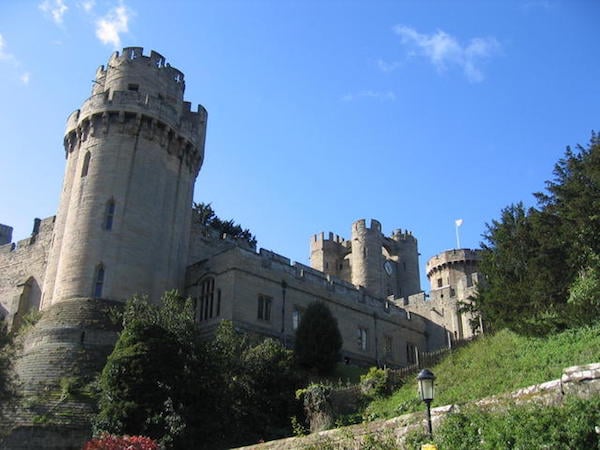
(367, 257)
(407, 252)
(133, 152)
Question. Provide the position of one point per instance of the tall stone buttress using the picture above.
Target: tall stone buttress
(133, 152)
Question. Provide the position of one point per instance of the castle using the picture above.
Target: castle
(124, 226)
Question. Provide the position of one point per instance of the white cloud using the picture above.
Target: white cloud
(13, 63)
(25, 77)
(56, 9)
(444, 50)
(4, 55)
(386, 66)
(87, 5)
(110, 27)
(376, 95)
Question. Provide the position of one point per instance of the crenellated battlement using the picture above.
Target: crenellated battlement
(125, 113)
(403, 236)
(147, 73)
(319, 238)
(456, 256)
(361, 225)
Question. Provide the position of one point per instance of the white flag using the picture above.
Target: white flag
(458, 222)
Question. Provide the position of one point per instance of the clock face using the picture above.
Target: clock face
(388, 267)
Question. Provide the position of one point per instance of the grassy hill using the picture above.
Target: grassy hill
(495, 364)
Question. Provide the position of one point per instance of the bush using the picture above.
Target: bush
(318, 339)
(519, 427)
(375, 383)
(111, 442)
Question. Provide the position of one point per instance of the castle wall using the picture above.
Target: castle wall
(244, 278)
(22, 272)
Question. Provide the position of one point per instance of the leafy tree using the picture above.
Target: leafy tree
(318, 339)
(541, 264)
(162, 381)
(143, 382)
(205, 215)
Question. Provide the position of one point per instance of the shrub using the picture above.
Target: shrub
(111, 442)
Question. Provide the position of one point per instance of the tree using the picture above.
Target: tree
(541, 264)
(142, 385)
(162, 381)
(205, 215)
(318, 339)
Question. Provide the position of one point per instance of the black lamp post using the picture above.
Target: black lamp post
(425, 379)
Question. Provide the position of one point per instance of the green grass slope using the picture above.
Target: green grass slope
(496, 364)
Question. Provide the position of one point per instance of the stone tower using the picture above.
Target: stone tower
(384, 266)
(367, 257)
(133, 152)
(453, 276)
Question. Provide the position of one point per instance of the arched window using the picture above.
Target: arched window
(109, 215)
(86, 164)
(98, 281)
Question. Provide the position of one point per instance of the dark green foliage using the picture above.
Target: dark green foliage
(163, 382)
(205, 215)
(318, 339)
(7, 386)
(540, 264)
(567, 427)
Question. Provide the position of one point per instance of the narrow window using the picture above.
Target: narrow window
(218, 313)
(439, 282)
(98, 281)
(296, 316)
(109, 215)
(207, 291)
(264, 308)
(411, 353)
(362, 339)
(388, 345)
(86, 164)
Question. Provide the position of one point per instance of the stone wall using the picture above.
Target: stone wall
(22, 272)
(579, 381)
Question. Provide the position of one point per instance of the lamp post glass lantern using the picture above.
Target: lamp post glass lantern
(425, 379)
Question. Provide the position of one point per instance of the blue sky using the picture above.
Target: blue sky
(416, 113)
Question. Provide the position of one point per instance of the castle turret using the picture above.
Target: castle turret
(328, 255)
(133, 152)
(405, 252)
(367, 258)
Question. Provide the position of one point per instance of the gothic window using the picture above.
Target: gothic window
(86, 164)
(362, 339)
(98, 281)
(109, 215)
(264, 307)
(206, 303)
